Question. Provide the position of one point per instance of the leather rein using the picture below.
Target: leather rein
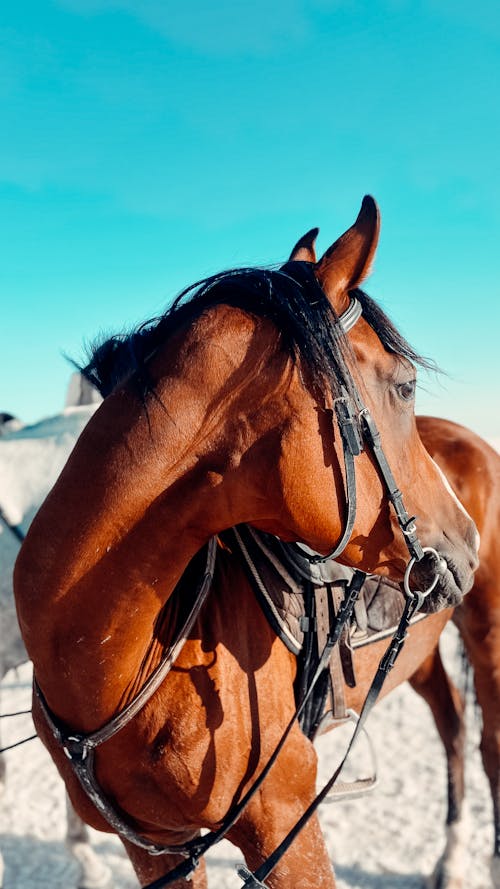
(358, 431)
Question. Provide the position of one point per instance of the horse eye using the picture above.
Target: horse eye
(406, 391)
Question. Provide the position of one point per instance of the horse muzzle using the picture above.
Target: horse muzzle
(443, 576)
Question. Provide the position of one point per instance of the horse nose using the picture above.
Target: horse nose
(474, 541)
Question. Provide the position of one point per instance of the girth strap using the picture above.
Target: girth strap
(326, 610)
(301, 602)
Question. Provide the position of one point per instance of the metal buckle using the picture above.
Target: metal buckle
(370, 430)
(249, 879)
(348, 426)
(75, 748)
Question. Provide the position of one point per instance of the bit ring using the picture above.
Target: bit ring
(442, 566)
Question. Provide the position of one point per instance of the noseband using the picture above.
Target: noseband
(358, 432)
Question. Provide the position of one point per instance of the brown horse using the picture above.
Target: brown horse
(473, 469)
(236, 413)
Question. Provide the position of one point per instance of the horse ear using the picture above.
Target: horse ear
(304, 250)
(347, 262)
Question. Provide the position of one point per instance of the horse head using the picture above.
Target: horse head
(383, 366)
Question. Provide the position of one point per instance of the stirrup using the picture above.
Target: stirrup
(249, 879)
(359, 786)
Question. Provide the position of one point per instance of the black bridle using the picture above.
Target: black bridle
(358, 431)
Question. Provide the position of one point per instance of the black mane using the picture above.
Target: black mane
(388, 335)
(291, 297)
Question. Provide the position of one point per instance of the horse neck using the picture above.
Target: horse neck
(139, 495)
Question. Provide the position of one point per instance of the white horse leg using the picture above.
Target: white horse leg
(2, 772)
(449, 872)
(495, 872)
(94, 874)
(2, 788)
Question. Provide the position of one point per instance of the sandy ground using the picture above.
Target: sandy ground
(390, 838)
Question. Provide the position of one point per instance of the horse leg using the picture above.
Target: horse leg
(479, 626)
(94, 874)
(152, 867)
(3, 769)
(435, 686)
(282, 799)
(305, 865)
(490, 752)
(2, 788)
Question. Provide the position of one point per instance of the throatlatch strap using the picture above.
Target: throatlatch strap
(352, 447)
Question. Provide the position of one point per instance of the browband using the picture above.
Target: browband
(352, 314)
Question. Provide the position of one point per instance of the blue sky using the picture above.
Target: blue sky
(146, 144)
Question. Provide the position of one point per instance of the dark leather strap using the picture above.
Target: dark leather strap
(351, 447)
(199, 847)
(325, 618)
(406, 522)
(80, 748)
(252, 880)
(17, 743)
(356, 430)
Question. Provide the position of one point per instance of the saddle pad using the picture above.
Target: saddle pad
(279, 577)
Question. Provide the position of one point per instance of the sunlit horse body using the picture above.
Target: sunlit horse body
(473, 469)
(230, 428)
(31, 458)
